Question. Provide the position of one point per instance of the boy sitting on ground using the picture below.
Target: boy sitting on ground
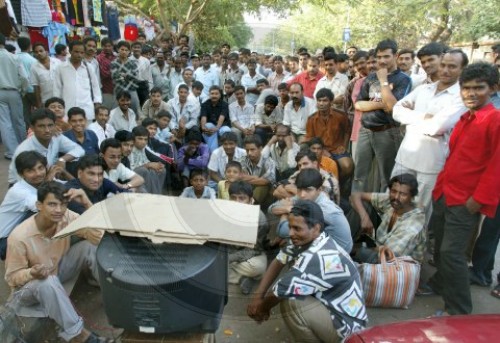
(232, 174)
(247, 265)
(198, 189)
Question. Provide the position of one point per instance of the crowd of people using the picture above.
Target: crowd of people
(343, 153)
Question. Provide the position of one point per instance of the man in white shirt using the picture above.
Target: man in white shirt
(42, 74)
(175, 76)
(185, 112)
(429, 113)
(90, 44)
(46, 143)
(76, 83)
(228, 151)
(114, 170)
(144, 74)
(297, 111)
(207, 75)
(161, 78)
(101, 128)
(334, 81)
(242, 116)
(249, 81)
(123, 117)
(283, 151)
(406, 61)
(20, 201)
(279, 75)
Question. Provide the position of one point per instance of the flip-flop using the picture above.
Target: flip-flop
(496, 291)
(439, 313)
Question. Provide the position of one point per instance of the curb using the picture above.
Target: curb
(15, 329)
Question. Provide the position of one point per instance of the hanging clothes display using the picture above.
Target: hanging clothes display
(35, 13)
(97, 10)
(131, 31)
(74, 12)
(36, 36)
(56, 34)
(113, 23)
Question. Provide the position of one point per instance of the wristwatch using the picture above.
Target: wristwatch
(128, 186)
(385, 83)
(61, 160)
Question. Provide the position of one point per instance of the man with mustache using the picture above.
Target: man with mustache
(402, 226)
(379, 136)
(282, 150)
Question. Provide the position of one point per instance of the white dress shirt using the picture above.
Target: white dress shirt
(425, 145)
(101, 133)
(251, 82)
(209, 78)
(190, 111)
(121, 173)
(338, 84)
(58, 144)
(119, 122)
(144, 70)
(244, 116)
(219, 159)
(19, 200)
(73, 86)
(297, 120)
(44, 78)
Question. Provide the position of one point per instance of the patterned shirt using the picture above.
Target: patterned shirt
(407, 237)
(129, 81)
(325, 271)
(266, 168)
(276, 116)
(105, 71)
(371, 90)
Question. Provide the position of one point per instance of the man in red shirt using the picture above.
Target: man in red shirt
(309, 78)
(467, 186)
(104, 59)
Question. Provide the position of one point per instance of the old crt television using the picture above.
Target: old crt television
(162, 288)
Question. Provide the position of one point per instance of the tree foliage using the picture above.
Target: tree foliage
(410, 22)
(212, 21)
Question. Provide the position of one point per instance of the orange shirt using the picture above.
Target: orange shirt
(329, 165)
(334, 131)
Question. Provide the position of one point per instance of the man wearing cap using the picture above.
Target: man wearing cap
(320, 295)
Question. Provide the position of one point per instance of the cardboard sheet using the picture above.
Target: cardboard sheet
(171, 219)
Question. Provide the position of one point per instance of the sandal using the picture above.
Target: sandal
(439, 313)
(496, 291)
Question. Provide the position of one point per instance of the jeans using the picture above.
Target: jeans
(453, 227)
(213, 140)
(382, 146)
(12, 126)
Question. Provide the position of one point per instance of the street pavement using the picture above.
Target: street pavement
(235, 325)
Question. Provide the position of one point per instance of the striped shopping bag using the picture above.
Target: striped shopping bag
(392, 283)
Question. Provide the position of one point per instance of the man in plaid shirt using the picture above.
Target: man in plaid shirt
(402, 226)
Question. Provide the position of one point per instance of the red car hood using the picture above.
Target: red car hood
(453, 329)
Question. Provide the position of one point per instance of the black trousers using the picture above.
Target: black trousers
(453, 227)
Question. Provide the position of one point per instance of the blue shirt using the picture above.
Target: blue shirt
(90, 142)
(27, 61)
(188, 192)
(19, 203)
(95, 197)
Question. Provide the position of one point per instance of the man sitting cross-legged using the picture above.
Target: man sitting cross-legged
(402, 226)
(37, 265)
